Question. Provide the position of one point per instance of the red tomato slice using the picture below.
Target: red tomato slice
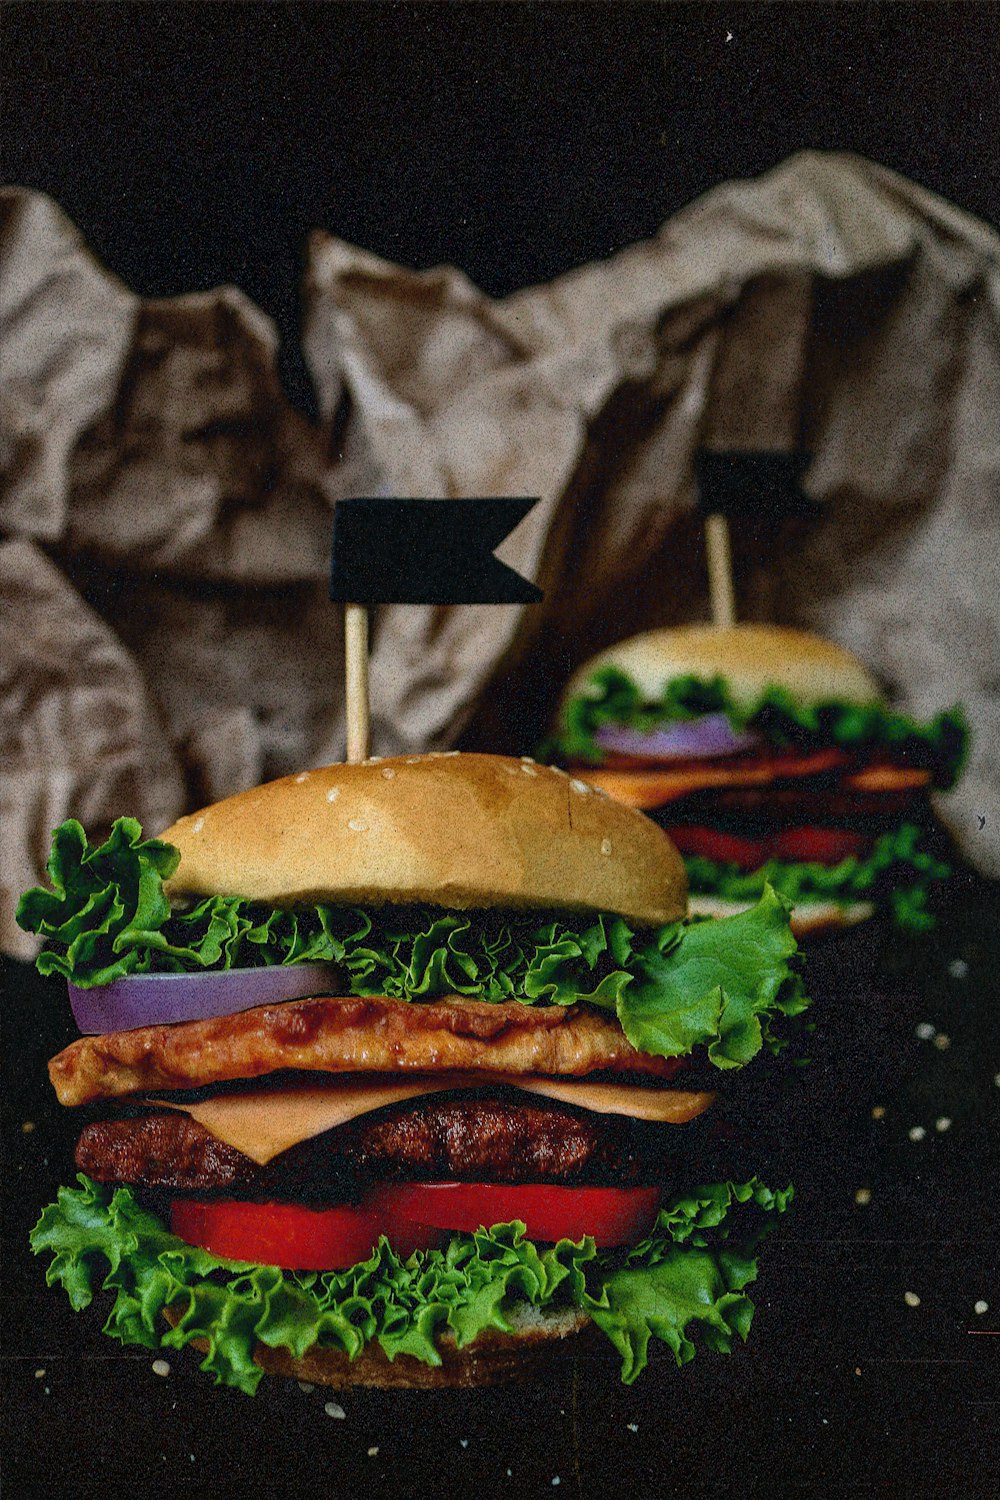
(614, 1216)
(290, 1235)
(827, 846)
(725, 848)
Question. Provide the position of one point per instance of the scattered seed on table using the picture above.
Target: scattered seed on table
(304, 1385)
(878, 1112)
(958, 968)
(39, 1374)
(911, 1299)
(916, 1132)
(942, 1123)
(160, 1367)
(925, 1031)
(942, 1042)
(28, 1126)
(372, 1452)
(863, 1197)
(463, 1442)
(632, 1426)
(334, 1409)
(857, 1369)
(981, 1307)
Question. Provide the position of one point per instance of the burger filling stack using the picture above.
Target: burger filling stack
(401, 1073)
(771, 757)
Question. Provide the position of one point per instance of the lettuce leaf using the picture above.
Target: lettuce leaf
(686, 1279)
(900, 872)
(612, 698)
(721, 985)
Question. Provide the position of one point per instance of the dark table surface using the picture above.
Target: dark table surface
(844, 1388)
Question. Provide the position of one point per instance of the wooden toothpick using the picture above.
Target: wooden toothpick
(356, 681)
(720, 570)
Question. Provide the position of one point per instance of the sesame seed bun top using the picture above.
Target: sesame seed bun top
(459, 831)
(750, 657)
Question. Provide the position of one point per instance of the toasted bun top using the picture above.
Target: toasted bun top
(750, 657)
(454, 830)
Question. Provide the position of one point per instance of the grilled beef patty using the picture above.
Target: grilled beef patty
(470, 1138)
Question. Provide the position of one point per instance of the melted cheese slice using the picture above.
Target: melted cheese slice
(265, 1122)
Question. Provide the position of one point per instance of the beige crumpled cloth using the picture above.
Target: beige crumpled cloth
(166, 637)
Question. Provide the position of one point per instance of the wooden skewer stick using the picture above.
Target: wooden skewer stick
(720, 570)
(356, 681)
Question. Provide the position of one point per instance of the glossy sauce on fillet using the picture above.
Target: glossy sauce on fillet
(350, 1034)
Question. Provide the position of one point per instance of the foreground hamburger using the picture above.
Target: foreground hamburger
(398, 1073)
(770, 756)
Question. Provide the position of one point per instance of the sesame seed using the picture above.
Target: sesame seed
(863, 1197)
(39, 1374)
(878, 1112)
(28, 1127)
(529, 771)
(333, 794)
(511, 770)
(981, 1307)
(161, 1367)
(605, 846)
(942, 1123)
(388, 772)
(911, 1299)
(924, 1031)
(996, 1079)
(374, 760)
(558, 771)
(304, 1385)
(857, 1369)
(527, 760)
(412, 760)
(916, 1132)
(556, 1479)
(357, 825)
(580, 786)
(958, 968)
(334, 1409)
(451, 752)
(463, 1442)
(942, 1042)
(372, 1452)
(197, 825)
(301, 777)
(632, 1426)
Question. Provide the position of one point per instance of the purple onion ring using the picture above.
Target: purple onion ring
(164, 999)
(689, 739)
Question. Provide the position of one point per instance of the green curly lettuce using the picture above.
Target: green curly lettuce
(721, 985)
(899, 872)
(687, 1279)
(612, 698)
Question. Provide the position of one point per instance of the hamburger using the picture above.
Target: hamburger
(770, 756)
(401, 1073)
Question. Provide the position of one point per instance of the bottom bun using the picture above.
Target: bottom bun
(809, 918)
(537, 1341)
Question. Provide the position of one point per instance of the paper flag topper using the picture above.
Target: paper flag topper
(392, 551)
(749, 485)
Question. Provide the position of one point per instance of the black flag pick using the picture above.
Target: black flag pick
(392, 551)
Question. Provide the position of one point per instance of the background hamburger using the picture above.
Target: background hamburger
(476, 1131)
(770, 756)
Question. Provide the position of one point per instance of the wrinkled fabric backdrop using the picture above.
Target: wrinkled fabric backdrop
(166, 636)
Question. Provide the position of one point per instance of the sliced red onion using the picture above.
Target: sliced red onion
(689, 739)
(163, 999)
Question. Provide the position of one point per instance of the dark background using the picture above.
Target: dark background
(199, 144)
